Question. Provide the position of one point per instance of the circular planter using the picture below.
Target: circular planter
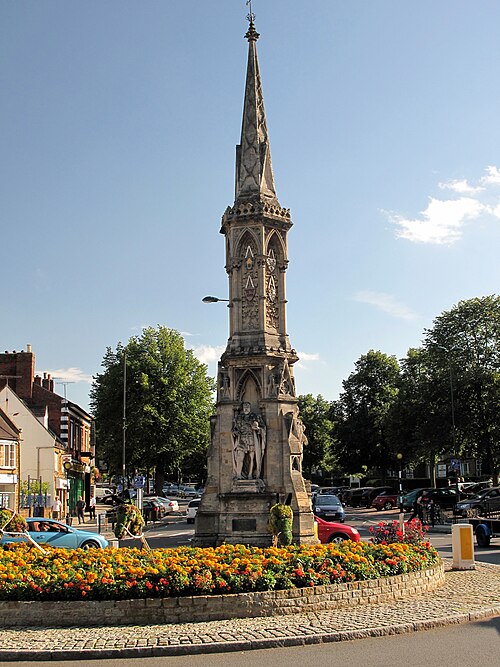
(216, 607)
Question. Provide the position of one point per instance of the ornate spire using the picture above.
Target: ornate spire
(254, 172)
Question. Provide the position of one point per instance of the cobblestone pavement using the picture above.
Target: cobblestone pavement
(466, 596)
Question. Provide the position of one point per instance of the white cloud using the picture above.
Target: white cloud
(208, 353)
(443, 219)
(387, 303)
(61, 375)
(492, 176)
(308, 356)
(461, 187)
(441, 222)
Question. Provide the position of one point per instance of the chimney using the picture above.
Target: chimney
(45, 381)
(20, 366)
(38, 380)
(51, 383)
(28, 348)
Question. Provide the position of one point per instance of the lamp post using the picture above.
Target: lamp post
(399, 457)
(213, 299)
(453, 434)
(124, 435)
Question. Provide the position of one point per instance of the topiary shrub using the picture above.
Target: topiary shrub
(12, 522)
(280, 524)
(129, 521)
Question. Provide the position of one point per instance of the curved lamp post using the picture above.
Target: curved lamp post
(213, 299)
(453, 435)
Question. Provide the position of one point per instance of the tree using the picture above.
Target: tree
(168, 400)
(368, 396)
(315, 413)
(464, 354)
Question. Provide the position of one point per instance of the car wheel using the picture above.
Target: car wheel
(388, 505)
(337, 538)
(482, 538)
(90, 544)
(190, 520)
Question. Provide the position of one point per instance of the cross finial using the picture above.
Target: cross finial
(252, 34)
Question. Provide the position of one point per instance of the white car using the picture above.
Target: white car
(192, 509)
(170, 506)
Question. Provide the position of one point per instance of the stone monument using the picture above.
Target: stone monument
(257, 440)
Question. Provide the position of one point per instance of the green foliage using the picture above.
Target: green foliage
(316, 416)
(12, 522)
(169, 400)
(363, 407)
(280, 524)
(128, 520)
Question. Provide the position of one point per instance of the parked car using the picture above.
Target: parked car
(369, 494)
(484, 502)
(170, 489)
(188, 491)
(57, 534)
(169, 506)
(475, 487)
(192, 510)
(330, 531)
(328, 507)
(353, 497)
(385, 501)
(410, 498)
(103, 494)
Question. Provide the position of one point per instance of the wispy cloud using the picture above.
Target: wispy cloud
(443, 220)
(208, 353)
(308, 356)
(69, 375)
(461, 187)
(492, 176)
(387, 303)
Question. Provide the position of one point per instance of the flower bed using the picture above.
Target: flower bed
(119, 574)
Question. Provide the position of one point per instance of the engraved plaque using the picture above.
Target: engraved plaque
(244, 525)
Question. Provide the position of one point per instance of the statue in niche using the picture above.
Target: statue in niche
(249, 443)
(273, 382)
(224, 383)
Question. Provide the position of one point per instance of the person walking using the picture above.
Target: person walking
(418, 507)
(92, 508)
(56, 508)
(80, 509)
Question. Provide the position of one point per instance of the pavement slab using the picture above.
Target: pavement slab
(465, 596)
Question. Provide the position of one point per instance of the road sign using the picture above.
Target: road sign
(455, 465)
(139, 481)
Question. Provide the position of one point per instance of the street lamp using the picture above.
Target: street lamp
(213, 299)
(453, 435)
(399, 457)
(124, 414)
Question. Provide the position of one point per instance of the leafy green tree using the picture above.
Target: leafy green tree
(369, 393)
(169, 400)
(463, 348)
(315, 413)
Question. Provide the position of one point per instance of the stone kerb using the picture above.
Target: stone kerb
(217, 607)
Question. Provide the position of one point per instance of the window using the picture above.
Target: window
(8, 454)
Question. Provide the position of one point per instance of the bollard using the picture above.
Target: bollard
(462, 545)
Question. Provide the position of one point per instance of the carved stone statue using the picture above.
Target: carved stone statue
(249, 443)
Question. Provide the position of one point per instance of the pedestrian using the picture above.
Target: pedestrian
(418, 507)
(80, 509)
(56, 508)
(431, 508)
(92, 507)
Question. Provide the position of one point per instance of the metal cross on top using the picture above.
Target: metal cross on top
(250, 15)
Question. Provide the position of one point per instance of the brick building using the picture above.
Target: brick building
(68, 421)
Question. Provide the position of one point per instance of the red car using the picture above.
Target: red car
(385, 501)
(329, 531)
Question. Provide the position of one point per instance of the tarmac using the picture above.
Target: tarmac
(467, 595)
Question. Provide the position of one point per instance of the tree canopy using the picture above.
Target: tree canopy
(168, 403)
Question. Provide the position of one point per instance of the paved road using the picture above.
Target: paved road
(471, 644)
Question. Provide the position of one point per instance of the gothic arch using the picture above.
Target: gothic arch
(275, 240)
(247, 238)
(249, 389)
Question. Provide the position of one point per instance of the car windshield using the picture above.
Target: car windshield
(327, 500)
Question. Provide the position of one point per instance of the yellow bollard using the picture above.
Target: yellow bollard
(462, 545)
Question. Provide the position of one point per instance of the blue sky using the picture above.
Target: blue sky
(118, 126)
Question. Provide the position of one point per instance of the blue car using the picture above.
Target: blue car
(328, 508)
(57, 534)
